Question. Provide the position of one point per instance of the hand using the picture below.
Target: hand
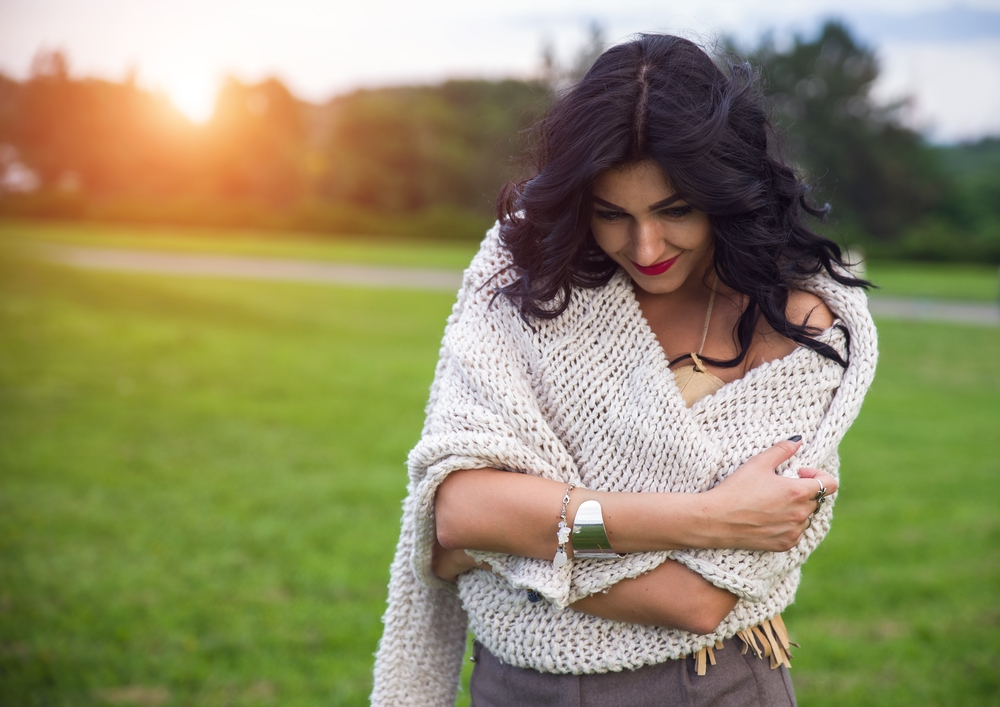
(756, 509)
(448, 564)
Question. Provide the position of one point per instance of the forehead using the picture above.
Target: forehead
(642, 183)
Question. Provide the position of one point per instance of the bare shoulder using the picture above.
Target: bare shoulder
(805, 308)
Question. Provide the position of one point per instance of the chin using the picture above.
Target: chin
(659, 285)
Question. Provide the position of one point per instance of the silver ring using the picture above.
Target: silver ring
(822, 490)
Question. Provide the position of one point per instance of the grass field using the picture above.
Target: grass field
(346, 249)
(200, 486)
(936, 281)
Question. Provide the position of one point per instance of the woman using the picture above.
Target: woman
(648, 319)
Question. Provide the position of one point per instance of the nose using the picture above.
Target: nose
(647, 242)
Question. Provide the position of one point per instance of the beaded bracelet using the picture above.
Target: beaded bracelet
(563, 533)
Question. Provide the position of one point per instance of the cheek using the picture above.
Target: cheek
(698, 236)
(606, 237)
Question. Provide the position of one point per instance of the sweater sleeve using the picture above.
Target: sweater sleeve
(419, 658)
(480, 414)
(483, 413)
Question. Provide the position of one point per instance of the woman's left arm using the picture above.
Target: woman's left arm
(752, 575)
(669, 596)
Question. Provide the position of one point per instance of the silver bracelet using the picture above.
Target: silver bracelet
(563, 533)
(590, 539)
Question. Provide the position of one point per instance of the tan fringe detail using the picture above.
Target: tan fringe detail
(779, 627)
(763, 641)
(769, 640)
(778, 656)
(746, 635)
(746, 645)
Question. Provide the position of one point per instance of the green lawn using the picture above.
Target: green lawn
(898, 606)
(201, 483)
(273, 244)
(200, 486)
(936, 281)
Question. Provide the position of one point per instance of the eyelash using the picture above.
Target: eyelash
(672, 212)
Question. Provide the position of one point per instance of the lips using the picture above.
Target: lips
(656, 268)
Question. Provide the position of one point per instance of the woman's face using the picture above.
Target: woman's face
(659, 245)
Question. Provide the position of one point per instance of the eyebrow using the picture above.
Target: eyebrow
(653, 207)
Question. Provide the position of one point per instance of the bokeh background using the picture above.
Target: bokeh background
(230, 233)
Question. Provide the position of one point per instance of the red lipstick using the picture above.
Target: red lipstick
(656, 268)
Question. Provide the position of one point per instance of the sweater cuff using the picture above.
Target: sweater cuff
(746, 573)
(593, 576)
(521, 572)
(421, 497)
(530, 574)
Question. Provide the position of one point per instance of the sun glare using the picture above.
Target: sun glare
(192, 96)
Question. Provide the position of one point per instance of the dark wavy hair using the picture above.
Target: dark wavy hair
(662, 98)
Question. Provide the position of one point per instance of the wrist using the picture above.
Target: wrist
(706, 520)
(653, 522)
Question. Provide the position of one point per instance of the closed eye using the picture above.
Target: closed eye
(676, 211)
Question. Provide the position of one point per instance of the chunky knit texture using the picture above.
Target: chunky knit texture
(588, 398)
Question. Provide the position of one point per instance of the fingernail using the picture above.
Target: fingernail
(796, 438)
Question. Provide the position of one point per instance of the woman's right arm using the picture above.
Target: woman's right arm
(517, 514)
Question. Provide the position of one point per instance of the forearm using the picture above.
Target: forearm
(670, 596)
(517, 514)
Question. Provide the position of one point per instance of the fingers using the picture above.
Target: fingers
(828, 482)
(779, 453)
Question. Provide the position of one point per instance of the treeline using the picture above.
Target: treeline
(891, 192)
(413, 161)
(428, 161)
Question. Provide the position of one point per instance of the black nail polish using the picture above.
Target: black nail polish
(796, 438)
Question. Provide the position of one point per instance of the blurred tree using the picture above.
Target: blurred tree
(256, 142)
(96, 137)
(557, 77)
(406, 149)
(878, 174)
(592, 47)
(966, 223)
(10, 90)
(429, 160)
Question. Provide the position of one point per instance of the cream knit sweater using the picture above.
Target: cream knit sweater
(588, 398)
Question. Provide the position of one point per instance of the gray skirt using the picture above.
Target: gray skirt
(736, 680)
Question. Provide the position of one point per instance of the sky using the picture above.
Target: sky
(943, 56)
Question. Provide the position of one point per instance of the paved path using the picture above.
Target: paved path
(409, 278)
(253, 268)
(932, 310)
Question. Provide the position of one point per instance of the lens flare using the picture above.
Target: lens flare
(192, 95)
